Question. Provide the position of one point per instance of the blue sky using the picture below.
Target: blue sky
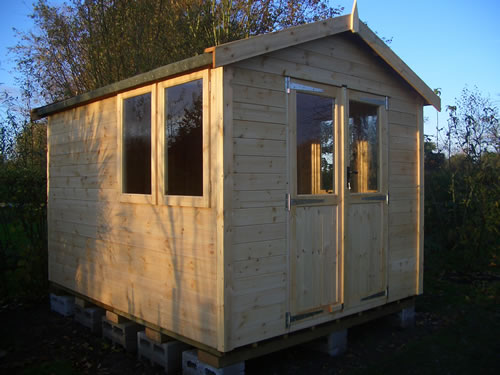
(448, 43)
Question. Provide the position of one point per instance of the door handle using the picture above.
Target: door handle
(350, 172)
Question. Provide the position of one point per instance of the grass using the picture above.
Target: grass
(61, 367)
(468, 340)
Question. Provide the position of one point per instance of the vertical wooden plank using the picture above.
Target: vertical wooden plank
(222, 166)
(49, 203)
(292, 244)
(420, 200)
(384, 150)
(228, 158)
(343, 124)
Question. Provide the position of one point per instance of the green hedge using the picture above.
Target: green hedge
(23, 232)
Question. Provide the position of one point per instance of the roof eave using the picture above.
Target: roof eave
(228, 53)
(239, 50)
(142, 79)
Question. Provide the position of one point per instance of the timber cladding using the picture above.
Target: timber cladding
(258, 249)
(260, 274)
(153, 262)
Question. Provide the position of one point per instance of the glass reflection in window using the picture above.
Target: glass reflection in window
(184, 139)
(315, 144)
(364, 147)
(136, 149)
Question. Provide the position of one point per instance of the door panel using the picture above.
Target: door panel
(366, 255)
(314, 216)
(316, 257)
(366, 200)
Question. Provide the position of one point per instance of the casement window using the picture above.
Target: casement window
(183, 136)
(315, 118)
(174, 144)
(364, 146)
(136, 137)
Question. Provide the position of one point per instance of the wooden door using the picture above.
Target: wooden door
(366, 199)
(313, 201)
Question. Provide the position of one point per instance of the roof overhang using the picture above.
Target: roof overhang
(239, 50)
(179, 67)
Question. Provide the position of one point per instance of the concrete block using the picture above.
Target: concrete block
(90, 317)
(406, 317)
(123, 334)
(64, 305)
(334, 344)
(191, 365)
(167, 355)
(83, 302)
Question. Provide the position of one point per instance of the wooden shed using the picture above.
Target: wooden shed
(269, 185)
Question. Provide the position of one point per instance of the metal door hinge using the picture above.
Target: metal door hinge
(375, 198)
(289, 319)
(297, 202)
(288, 202)
(376, 295)
(289, 85)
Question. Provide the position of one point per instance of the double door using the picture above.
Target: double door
(337, 198)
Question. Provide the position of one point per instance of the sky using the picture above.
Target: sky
(448, 43)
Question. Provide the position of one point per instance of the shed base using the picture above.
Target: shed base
(406, 317)
(335, 344)
(62, 304)
(167, 355)
(192, 365)
(122, 334)
(300, 337)
(90, 317)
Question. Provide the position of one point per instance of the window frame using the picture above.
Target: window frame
(131, 197)
(382, 130)
(184, 200)
(328, 91)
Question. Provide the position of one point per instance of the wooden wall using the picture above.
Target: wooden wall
(154, 262)
(259, 272)
(259, 277)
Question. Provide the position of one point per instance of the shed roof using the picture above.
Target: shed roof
(239, 50)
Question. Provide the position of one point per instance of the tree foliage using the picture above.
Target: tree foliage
(86, 44)
(23, 229)
(463, 187)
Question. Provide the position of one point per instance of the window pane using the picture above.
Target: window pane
(315, 142)
(363, 146)
(184, 139)
(136, 167)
